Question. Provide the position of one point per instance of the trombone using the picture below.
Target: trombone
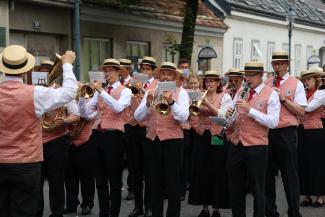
(196, 105)
(231, 118)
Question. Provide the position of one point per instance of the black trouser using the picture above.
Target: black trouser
(19, 189)
(243, 161)
(109, 166)
(163, 159)
(129, 155)
(80, 167)
(53, 167)
(283, 155)
(136, 137)
(187, 151)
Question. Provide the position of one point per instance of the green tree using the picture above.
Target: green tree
(191, 10)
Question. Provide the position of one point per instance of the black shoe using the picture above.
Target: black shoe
(130, 196)
(148, 213)
(306, 202)
(204, 213)
(136, 212)
(216, 214)
(85, 210)
(69, 209)
(182, 198)
(317, 204)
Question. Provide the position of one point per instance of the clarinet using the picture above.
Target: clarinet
(275, 77)
(230, 119)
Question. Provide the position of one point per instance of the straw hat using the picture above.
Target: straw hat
(253, 67)
(125, 62)
(15, 60)
(317, 71)
(112, 62)
(212, 74)
(169, 66)
(47, 63)
(148, 61)
(280, 56)
(322, 75)
(232, 72)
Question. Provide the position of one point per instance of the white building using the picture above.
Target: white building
(258, 27)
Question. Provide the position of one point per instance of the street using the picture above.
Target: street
(193, 211)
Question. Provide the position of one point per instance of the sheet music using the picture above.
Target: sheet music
(97, 76)
(166, 86)
(39, 78)
(194, 95)
(140, 77)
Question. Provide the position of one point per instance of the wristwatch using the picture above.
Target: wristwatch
(172, 103)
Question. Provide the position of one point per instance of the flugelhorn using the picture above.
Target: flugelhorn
(160, 103)
(231, 118)
(86, 91)
(196, 105)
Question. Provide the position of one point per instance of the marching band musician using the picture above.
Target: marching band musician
(136, 134)
(248, 149)
(111, 101)
(163, 150)
(235, 80)
(322, 87)
(148, 66)
(80, 166)
(55, 153)
(125, 79)
(283, 139)
(311, 147)
(21, 112)
(208, 174)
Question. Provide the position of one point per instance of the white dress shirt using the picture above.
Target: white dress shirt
(179, 109)
(317, 101)
(226, 103)
(300, 94)
(127, 79)
(72, 108)
(46, 98)
(271, 118)
(117, 106)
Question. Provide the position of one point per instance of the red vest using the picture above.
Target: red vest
(84, 135)
(20, 129)
(312, 120)
(247, 130)
(288, 89)
(129, 111)
(165, 127)
(110, 119)
(202, 122)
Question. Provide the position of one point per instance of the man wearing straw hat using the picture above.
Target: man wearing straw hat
(22, 107)
(235, 81)
(111, 102)
(163, 149)
(148, 66)
(284, 140)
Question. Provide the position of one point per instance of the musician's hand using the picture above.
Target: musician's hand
(229, 112)
(243, 104)
(168, 96)
(149, 98)
(98, 86)
(68, 57)
(59, 122)
(281, 96)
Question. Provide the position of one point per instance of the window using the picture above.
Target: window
(137, 49)
(94, 51)
(309, 52)
(270, 49)
(238, 53)
(170, 54)
(297, 59)
(255, 50)
(285, 47)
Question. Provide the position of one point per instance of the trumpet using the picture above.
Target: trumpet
(196, 105)
(160, 103)
(134, 89)
(231, 118)
(86, 90)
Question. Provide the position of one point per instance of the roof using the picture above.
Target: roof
(308, 12)
(172, 10)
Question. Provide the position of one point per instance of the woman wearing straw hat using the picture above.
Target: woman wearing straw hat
(21, 112)
(163, 145)
(283, 140)
(110, 102)
(208, 173)
(257, 112)
(311, 147)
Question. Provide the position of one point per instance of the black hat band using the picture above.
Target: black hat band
(19, 66)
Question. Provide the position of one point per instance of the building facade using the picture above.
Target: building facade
(257, 28)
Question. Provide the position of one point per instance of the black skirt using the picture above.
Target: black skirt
(209, 184)
(311, 150)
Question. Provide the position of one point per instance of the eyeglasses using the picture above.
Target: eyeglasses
(251, 75)
(233, 80)
(278, 63)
